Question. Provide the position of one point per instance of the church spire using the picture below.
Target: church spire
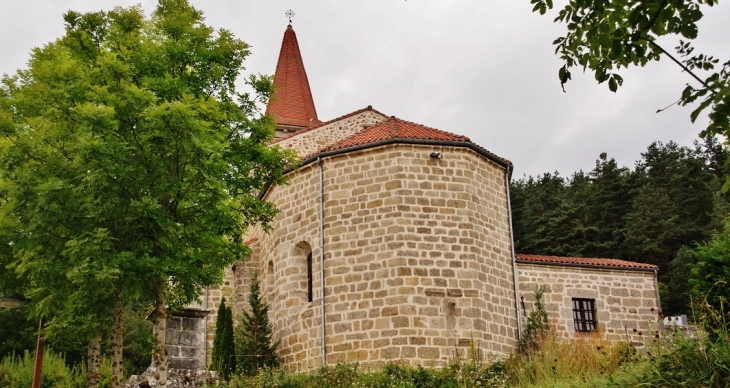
(291, 105)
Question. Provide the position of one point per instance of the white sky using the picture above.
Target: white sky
(484, 69)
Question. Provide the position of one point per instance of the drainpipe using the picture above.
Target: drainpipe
(514, 258)
(656, 289)
(321, 255)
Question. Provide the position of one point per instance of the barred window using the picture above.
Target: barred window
(584, 314)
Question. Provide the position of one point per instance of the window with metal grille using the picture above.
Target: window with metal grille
(584, 314)
(309, 277)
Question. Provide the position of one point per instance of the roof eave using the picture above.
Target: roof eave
(400, 140)
(614, 267)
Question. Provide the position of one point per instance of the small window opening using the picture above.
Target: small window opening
(584, 314)
(270, 282)
(309, 277)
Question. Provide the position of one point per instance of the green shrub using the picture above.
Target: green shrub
(17, 372)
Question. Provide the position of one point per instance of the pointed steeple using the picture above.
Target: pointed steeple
(292, 104)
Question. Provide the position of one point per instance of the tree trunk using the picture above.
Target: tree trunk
(159, 357)
(93, 360)
(117, 342)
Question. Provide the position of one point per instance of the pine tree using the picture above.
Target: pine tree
(224, 347)
(255, 348)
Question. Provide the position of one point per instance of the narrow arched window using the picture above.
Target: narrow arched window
(309, 277)
(269, 282)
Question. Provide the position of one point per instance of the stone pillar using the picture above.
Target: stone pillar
(186, 339)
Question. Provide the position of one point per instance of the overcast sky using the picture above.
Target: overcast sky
(484, 69)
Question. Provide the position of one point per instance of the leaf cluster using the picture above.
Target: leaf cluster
(605, 36)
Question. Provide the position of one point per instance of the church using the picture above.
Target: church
(394, 243)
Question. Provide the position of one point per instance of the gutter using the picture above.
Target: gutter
(400, 140)
(321, 256)
(507, 174)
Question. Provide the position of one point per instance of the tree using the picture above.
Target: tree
(224, 348)
(606, 36)
(537, 325)
(711, 273)
(131, 166)
(608, 203)
(255, 332)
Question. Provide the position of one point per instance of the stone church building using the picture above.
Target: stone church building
(394, 242)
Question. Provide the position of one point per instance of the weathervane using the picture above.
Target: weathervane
(289, 14)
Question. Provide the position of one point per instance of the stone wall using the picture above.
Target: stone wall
(308, 142)
(417, 258)
(625, 300)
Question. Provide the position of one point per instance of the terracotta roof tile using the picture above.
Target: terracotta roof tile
(584, 261)
(292, 102)
(251, 241)
(394, 128)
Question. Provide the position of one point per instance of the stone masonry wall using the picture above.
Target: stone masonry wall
(417, 258)
(309, 142)
(417, 255)
(626, 304)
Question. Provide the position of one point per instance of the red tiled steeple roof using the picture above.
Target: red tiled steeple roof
(292, 102)
(584, 262)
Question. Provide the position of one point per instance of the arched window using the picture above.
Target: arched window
(309, 277)
(269, 281)
(302, 271)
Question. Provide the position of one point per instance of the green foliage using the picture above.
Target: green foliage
(468, 374)
(711, 273)
(537, 325)
(137, 341)
(606, 36)
(17, 372)
(129, 161)
(223, 358)
(255, 349)
(695, 358)
(17, 332)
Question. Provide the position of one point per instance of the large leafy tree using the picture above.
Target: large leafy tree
(605, 36)
(130, 166)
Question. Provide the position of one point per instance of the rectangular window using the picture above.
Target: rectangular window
(584, 314)
(309, 277)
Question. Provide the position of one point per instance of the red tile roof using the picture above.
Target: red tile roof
(394, 128)
(584, 261)
(292, 102)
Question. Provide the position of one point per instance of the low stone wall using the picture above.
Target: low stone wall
(625, 300)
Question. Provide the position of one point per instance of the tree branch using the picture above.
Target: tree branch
(679, 63)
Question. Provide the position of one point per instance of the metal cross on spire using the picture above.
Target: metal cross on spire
(289, 14)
